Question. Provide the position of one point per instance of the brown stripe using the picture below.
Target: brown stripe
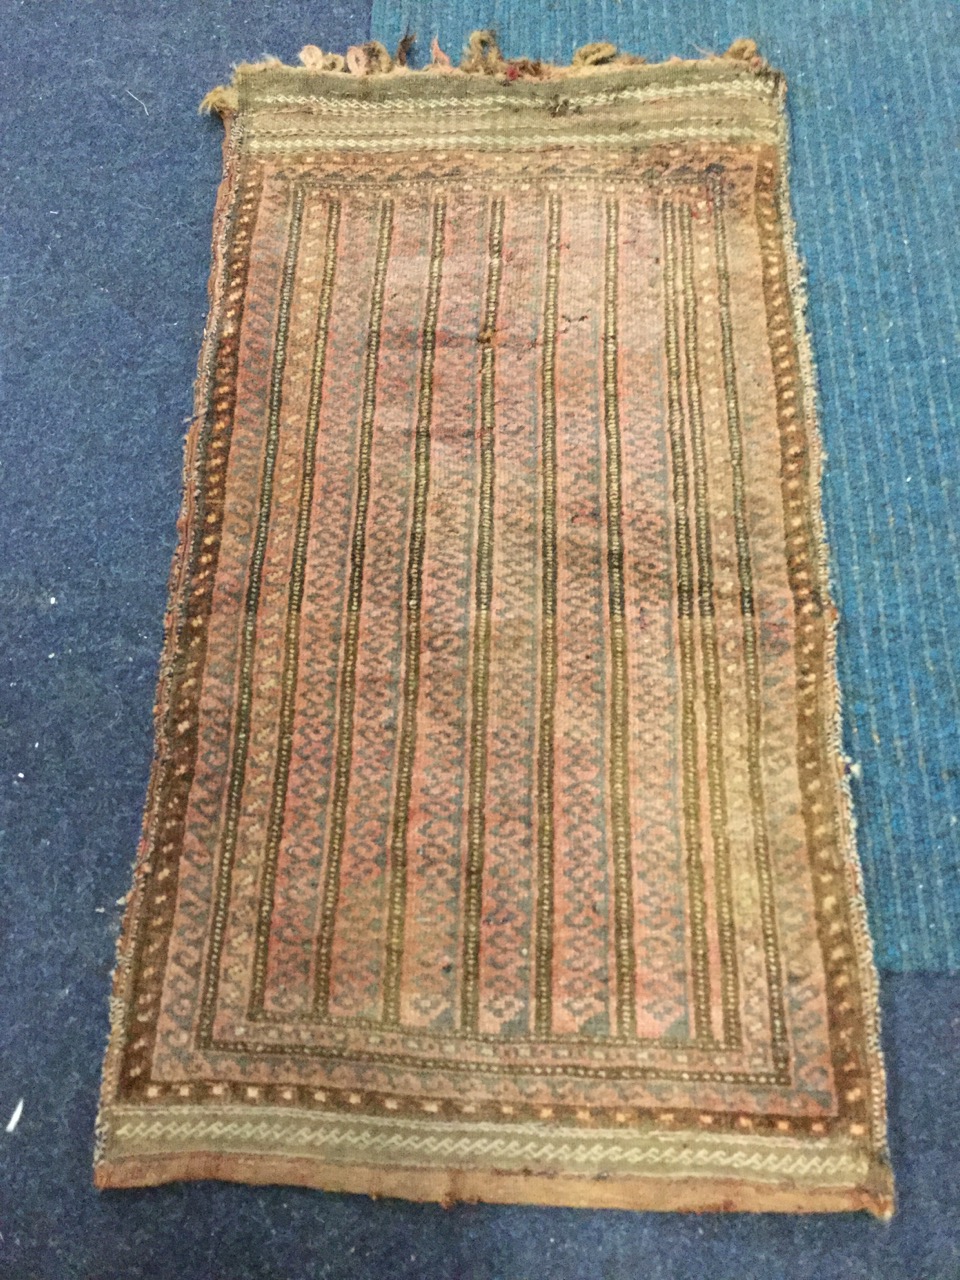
(348, 668)
(619, 730)
(543, 950)
(488, 1064)
(397, 892)
(814, 761)
(709, 647)
(291, 657)
(741, 526)
(826, 823)
(187, 630)
(473, 885)
(685, 604)
(248, 634)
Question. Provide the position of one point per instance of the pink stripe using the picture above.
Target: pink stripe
(507, 902)
(357, 956)
(297, 891)
(652, 641)
(430, 974)
(274, 593)
(582, 889)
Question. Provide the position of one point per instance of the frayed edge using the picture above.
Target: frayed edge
(221, 101)
(119, 1001)
(845, 767)
(482, 56)
(407, 41)
(224, 100)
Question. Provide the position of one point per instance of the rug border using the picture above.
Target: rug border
(452, 1186)
(177, 591)
(863, 940)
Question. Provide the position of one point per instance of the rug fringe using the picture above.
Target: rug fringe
(481, 56)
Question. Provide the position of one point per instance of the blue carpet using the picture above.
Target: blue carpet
(109, 180)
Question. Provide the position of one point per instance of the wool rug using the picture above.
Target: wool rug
(498, 844)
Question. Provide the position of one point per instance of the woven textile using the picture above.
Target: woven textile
(497, 845)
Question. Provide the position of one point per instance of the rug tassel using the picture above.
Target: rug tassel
(744, 50)
(594, 55)
(482, 54)
(222, 101)
(314, 59)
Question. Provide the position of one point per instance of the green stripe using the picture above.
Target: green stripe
(258, 87)
(348, 668)
(543, 957)
(685, 592)
(529, 139)
(248, 634)
(397, 892)
(473, 881)
(713, 727)
(291, 652)
(771, 946)
(619, 731)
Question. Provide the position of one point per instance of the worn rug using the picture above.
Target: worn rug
(498, 844)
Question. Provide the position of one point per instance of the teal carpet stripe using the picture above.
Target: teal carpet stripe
(875, 188)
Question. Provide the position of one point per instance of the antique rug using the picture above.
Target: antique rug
(498, 843)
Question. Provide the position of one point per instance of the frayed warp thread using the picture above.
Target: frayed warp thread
(482, 56)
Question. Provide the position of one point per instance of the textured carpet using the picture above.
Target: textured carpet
(96, 382)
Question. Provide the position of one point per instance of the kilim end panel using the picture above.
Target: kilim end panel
(497, 845)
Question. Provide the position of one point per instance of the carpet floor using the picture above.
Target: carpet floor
(110, 180)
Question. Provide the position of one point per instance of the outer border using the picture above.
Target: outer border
(873, 1192)
(452, 1186)
(173, 619)
(869, 982)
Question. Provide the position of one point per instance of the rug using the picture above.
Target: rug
(498, 843)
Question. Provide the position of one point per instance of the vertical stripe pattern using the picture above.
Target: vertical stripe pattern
(685, 432)
(354, 598)
(241, 731)
(396, 897)
(708, 638)
(619, 764)
(543, 953)
(699, 958)
(476, 827)
(294, 606)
